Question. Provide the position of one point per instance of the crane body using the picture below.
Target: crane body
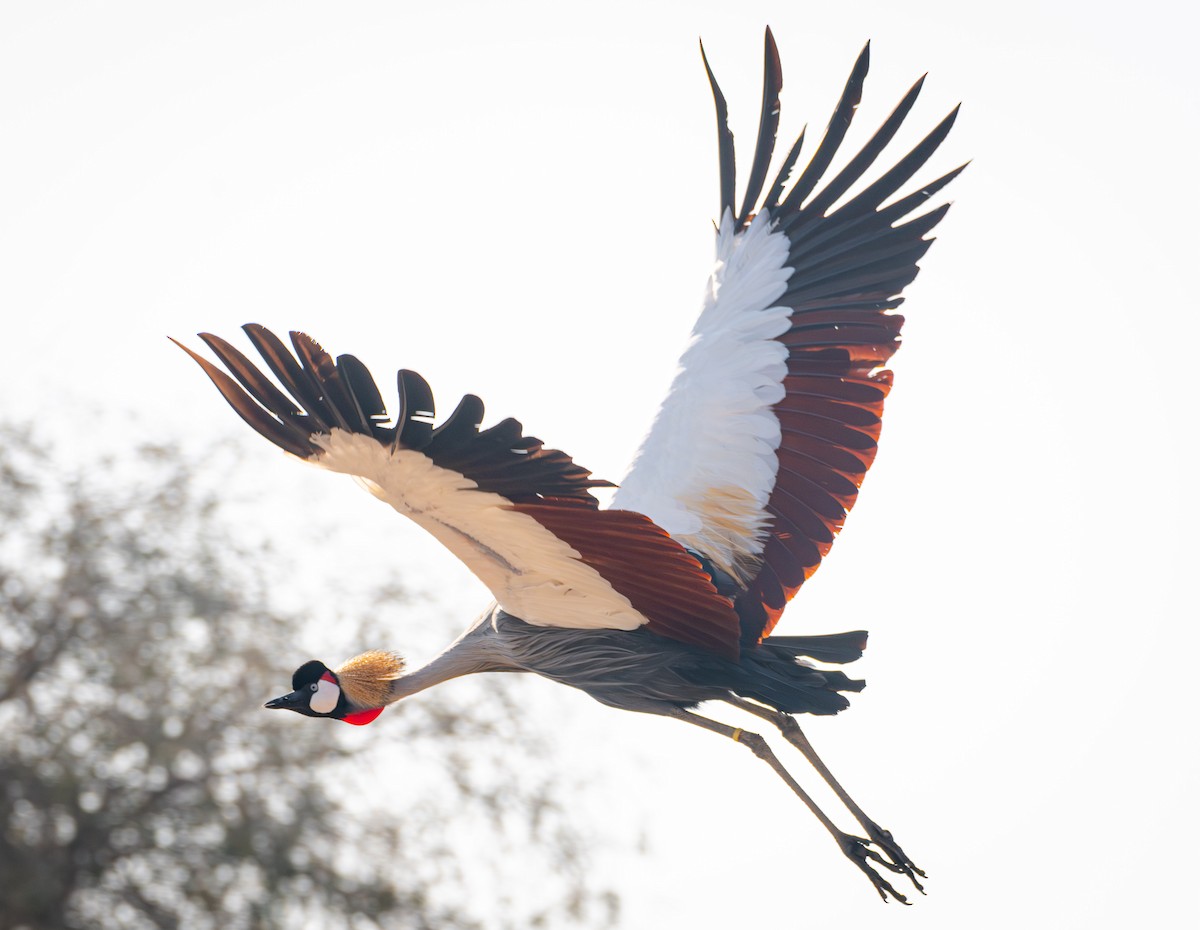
(668, 599)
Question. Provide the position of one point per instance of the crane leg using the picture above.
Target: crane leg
(855, 848)
(899, 860)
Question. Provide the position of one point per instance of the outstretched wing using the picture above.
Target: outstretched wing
(762, 442)
(519, 515)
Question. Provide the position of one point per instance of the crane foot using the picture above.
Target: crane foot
(898, 860)
(857, 850)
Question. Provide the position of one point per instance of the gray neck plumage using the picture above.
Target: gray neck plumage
(466, 656)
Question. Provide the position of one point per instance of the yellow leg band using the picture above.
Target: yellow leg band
(737, 734)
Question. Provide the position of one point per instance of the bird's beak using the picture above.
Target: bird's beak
(287, 702)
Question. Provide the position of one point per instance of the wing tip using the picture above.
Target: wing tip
(771, 49)
(263, 421)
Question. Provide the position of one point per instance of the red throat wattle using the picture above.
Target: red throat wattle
(363, 717)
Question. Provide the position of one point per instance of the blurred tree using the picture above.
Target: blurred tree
(141, 786)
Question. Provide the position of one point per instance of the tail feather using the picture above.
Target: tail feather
(838, 648)
(775, 675)
(806, 691)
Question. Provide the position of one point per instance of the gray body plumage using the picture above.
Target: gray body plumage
(640, 671)
(628, 669)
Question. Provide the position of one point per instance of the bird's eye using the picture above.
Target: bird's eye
(313, 686)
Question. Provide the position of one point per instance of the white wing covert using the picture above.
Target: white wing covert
(706, 469)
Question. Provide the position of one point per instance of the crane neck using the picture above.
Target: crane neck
(463, 657)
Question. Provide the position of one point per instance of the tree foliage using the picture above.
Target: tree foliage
(142, 787)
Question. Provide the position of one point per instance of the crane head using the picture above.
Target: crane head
(347, 694)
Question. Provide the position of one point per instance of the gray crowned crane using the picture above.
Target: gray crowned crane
(666, 599)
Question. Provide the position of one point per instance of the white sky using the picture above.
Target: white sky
(515, 200)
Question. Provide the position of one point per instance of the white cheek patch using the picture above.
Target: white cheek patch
(325, 698)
